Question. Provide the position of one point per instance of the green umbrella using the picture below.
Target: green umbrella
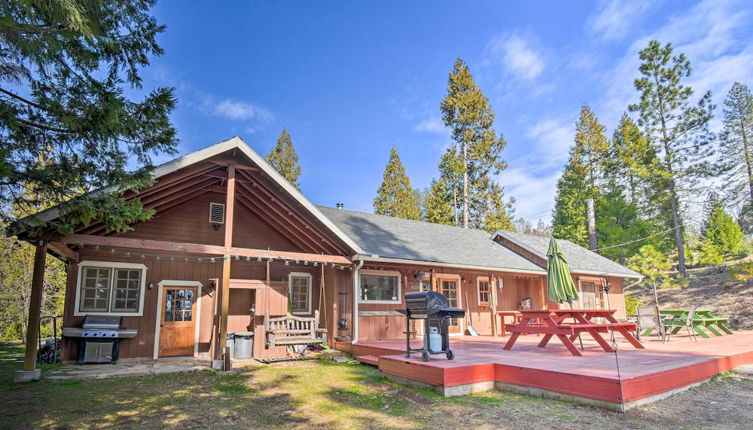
(559, 283)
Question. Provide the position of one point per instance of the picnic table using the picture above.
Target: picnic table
(516, 316)
(553, 323)
(674, 319)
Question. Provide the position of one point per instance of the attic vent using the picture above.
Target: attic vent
(216, 213)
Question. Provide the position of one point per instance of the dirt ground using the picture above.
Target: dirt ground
(711, 288)
(322, 394)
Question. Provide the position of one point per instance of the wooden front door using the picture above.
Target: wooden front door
(449, 288)
(592, 295)
(177, 329)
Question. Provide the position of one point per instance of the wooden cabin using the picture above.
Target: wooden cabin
(232, 240)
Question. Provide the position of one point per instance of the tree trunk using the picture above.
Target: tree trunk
(678, 228)
(35, 305)
(591, 216)
(748, 160)
(465, 185)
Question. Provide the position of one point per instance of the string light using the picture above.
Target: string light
(287, 263)
(237, 257)
(258, 259)
(212, 260)
(248, 258)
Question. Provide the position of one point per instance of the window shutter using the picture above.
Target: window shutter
(216, 213)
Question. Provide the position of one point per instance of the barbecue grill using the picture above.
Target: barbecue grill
(432, 307)
(99, 338)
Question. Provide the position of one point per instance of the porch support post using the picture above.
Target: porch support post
(493, 303)
(30, 373)
(225, 296)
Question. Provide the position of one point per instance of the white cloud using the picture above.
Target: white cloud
(431, 125)
(514, 54)
(615, 18)
(711, 34)
(533, 191)
(241, 111)
(553, 139)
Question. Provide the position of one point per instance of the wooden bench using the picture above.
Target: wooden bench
(292, 330)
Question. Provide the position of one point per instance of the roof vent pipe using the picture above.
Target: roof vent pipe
(340, 205)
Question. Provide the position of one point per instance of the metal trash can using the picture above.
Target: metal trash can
(231, 344)
(244, 344)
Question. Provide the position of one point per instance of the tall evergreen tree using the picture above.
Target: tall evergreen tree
(284, 159)
(581, 179)
(437, 208)
(677, 129)
(65, 71)
(736, 155)
(395, 196)
(721, 231)
(476, 154)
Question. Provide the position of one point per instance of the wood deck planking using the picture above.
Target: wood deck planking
(658, 369)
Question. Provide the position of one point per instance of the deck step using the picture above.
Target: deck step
(368, 359)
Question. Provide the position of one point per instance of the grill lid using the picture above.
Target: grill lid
(101, 322)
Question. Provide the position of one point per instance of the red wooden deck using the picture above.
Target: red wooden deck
(658, 369)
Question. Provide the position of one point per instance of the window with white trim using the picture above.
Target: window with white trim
(299, 293)
(484, 291)
(378, 286)
(110, 288)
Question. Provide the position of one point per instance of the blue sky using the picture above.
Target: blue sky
(350, 80)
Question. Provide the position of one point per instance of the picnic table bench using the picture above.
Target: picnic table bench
(674, 320)
(292, 330)
(553, 324)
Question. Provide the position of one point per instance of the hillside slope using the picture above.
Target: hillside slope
(711, 288)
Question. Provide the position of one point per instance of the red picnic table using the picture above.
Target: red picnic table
(553, 324)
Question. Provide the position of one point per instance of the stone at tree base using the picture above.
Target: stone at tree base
(27, 375)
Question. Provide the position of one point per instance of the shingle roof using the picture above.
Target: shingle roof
(580, 259)
(398, 238)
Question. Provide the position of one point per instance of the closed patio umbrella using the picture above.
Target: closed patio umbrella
(560, 287)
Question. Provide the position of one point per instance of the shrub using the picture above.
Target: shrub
(631, 304)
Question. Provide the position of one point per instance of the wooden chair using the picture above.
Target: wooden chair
(291, 330)
(688, 324)
(650, 318)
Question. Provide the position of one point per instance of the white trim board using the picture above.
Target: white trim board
(158, 320)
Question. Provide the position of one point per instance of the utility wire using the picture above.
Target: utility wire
(638, 240)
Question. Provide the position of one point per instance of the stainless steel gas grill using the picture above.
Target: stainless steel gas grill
(99, 338)
(432, 307)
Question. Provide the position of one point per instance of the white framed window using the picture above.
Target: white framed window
(379, 286)
(110, 288)
(299, 292)
(483, 290)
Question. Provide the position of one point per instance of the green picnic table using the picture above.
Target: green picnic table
(674, 319)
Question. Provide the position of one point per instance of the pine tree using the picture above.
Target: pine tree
(618, 222)
(395, 196)
(437, 208)
(67, 67)
(284, 159)
(677, 129)
(476, 154)
(736, 155)
(581, 179)
(721, 232)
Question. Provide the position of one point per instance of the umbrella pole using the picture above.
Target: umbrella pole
(570, 302)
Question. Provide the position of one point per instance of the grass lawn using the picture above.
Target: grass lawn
(319, 394)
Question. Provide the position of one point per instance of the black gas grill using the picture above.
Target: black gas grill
(99, 338)
(432, 307)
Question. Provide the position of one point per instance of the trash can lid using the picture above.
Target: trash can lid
(244, 333)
